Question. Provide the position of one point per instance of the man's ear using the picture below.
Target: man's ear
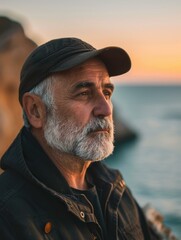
(35, 109)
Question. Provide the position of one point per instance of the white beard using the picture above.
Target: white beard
(66, 136)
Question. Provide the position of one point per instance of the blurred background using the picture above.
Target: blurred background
(147, 100)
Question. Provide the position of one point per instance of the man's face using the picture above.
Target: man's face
(81, 121)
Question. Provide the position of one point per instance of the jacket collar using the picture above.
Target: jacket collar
(27, 157)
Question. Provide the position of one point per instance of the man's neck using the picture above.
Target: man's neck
(73, 169)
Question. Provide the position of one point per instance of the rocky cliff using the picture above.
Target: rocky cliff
(14, 48)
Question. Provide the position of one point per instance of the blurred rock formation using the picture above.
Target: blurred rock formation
(156, 221)
(14, 48)
(123, 131)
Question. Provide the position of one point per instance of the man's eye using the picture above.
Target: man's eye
(108, 94)
(85, 93)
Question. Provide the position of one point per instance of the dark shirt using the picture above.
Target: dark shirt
(92, 195)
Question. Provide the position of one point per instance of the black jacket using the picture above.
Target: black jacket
(36, 202)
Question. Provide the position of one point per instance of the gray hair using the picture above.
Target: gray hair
(44, 91)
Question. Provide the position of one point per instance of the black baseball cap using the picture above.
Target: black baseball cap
(65, 53)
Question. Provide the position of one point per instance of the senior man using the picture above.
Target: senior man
(54, 185)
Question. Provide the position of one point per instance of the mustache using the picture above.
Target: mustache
(98, 124)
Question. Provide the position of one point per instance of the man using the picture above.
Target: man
(54, 185)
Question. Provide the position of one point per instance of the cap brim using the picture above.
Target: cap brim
(116, 60)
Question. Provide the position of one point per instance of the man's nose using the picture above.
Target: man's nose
(103, 107)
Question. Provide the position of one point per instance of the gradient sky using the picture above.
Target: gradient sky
(149, 30)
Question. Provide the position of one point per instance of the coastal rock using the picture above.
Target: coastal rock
(156, 221)
(123, 131)
(14, 48)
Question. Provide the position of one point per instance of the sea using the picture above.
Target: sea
(151, 164)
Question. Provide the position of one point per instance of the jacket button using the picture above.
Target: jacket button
(82, 214)
(48, 227)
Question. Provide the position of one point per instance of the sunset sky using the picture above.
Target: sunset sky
(149, 30)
